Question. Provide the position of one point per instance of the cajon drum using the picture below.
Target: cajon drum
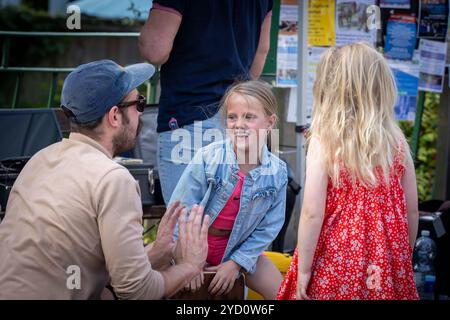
(237, 293)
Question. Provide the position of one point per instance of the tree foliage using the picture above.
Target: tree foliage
(427, 153)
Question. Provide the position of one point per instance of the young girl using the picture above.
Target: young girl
(359, 215)
(243, 188)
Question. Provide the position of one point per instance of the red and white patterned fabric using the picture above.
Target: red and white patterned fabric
(363, 251)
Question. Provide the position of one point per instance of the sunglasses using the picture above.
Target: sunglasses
(140, 103)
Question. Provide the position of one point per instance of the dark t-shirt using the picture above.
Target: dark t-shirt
(215, 46)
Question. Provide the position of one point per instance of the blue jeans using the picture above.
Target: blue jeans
(177, 147)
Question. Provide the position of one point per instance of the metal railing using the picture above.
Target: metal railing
(55, 72)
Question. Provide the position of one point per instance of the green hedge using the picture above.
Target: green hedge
(426, 157)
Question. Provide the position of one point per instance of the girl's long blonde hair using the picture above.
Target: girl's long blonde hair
(353, 113)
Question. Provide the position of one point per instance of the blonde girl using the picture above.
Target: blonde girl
(359, 214)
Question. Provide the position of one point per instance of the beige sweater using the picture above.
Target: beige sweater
(74, 209)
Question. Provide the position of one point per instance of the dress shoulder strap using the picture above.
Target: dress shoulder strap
(399, 158)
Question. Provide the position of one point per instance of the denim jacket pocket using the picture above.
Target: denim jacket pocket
(262, 199)
(264, 193)
(218, 186)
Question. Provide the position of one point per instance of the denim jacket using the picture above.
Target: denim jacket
(210, 179)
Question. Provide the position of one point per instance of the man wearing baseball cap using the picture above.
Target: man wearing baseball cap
(73, 222)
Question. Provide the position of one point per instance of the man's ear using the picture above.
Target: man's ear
(113, 117)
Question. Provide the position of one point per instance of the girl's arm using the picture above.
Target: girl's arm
(192, 185)
(410, 189)
(190, 190)
(313, 207)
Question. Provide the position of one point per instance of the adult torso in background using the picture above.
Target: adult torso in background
(215, 45)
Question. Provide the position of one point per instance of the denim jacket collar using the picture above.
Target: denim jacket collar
(255, 173)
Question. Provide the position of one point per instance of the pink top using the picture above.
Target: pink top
(225, 221)
(226, 217)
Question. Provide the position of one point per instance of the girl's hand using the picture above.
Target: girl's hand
(226, 275)
(302, 284)
(195, 283)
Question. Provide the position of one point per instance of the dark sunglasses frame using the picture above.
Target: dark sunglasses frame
(140, 103)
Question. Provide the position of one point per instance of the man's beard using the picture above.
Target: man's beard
(125, 140)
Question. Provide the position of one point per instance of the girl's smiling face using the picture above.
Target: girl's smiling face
(247, 123)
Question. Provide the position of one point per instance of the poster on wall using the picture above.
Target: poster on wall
(447, 39)
(406, 74)
(351, 22)
(395, 4)
(287, 44)
(314, 55)
(432, 65)
(433, 19)
(400, 37)
(321, 22)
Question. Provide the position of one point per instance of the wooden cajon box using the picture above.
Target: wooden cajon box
(237, 293)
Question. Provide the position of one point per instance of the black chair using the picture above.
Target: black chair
(146, 149)
(23, 132)
(292, 191)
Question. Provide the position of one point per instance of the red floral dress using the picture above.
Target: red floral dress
(363, 250)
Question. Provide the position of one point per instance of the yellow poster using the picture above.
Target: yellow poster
(321, 22)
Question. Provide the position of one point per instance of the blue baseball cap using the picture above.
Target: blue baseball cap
(92, 89)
